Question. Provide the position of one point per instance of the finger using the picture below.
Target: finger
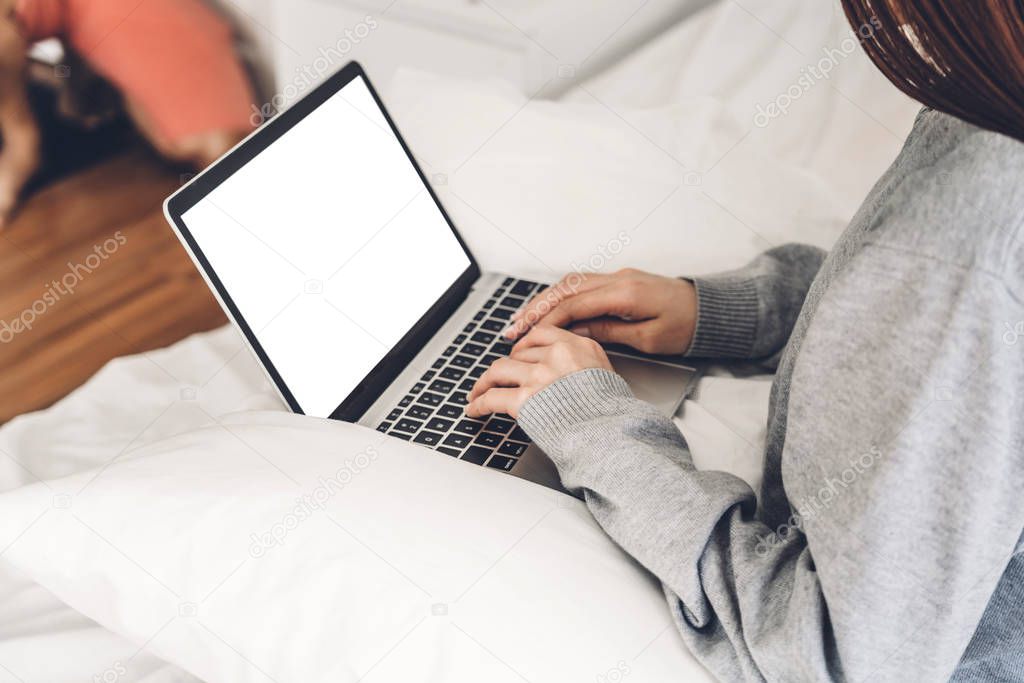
(610, 301)
(570, 285)
(540, 336)
(497, 401)
(543, 302)
(504, 372)
(600, 300)
(535, 354)
(528, 315)
(615, 331)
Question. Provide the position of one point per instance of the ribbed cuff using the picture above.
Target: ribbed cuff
(571, 401)
(727, 308)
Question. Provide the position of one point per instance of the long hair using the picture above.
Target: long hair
(961, 57)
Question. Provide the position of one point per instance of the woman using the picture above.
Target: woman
(887, 543)
(173, 60)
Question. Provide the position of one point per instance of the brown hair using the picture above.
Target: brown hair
(961, 57)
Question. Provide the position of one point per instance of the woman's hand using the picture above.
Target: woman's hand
(651, 313)
(544, 355)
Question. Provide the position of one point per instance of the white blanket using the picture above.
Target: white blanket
(666, 148)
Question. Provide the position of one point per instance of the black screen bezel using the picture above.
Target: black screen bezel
(355, 405)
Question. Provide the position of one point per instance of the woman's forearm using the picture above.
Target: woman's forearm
(749, 313)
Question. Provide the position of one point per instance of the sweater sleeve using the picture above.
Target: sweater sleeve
(902, 472)
(749, 313)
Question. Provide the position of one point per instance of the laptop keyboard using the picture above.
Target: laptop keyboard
(431, 413)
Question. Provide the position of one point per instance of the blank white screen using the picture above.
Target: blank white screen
(330, 247)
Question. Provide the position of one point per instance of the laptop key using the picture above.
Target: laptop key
(418, 412)
(476, 455)
(471, 427)
(500, 462)
(508, 282)
(513, 449)
(450, 451)
(488, 439)
(438, 364)
(417, 388)
(428, 438)
(405, 401)
(502, 313)
(489, 304)
(429, 399)
(395, 414)
(384, 427)
(483, 337)
(452, 373)
(498, 425)
(519, 435)
(502, 348)
(449, 351)
(479, 316)
(512, 302)
(469, 328)
(441, 386)
(427, 376)
(462, 361)
(448, 410)
(457, 440)
(473, 349)
(439, 424)
(467, 385)
(523, 287)
(461, 338)
(407, 425)
(459, 398)
(478, 371)
(493, 325)
(400, 435)
(488, 359)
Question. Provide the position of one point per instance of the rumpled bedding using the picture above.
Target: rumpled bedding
(166, 462)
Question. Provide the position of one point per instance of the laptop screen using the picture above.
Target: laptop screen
(330, 247)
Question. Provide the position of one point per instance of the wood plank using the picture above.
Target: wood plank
(143, 292)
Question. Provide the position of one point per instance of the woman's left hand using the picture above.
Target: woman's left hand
(540, 358)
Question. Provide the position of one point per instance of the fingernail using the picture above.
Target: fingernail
(517, 314)
(510, 332)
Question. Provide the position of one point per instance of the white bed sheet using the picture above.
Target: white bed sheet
(723, 62)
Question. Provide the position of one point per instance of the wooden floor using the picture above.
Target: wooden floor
(123, 298)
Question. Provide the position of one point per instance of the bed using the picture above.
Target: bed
(144, 521)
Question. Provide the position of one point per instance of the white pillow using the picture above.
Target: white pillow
(411, 565)
(545, 187)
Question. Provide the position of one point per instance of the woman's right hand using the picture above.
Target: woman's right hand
(651, 313)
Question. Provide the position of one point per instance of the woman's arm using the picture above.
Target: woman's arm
(749, 313)
(901, 453)
(745, 314)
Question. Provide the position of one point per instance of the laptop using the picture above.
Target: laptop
(329, 250)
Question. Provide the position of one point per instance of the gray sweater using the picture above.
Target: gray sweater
(886, 543)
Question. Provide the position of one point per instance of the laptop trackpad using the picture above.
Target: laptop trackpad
(660, 384)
